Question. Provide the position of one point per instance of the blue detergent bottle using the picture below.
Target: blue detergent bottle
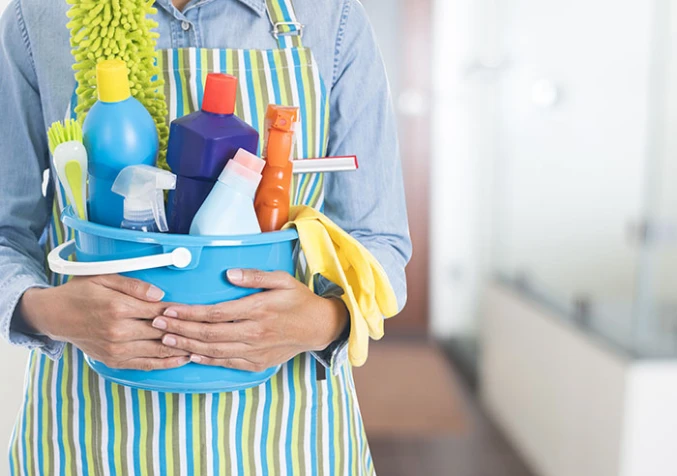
(200, 146)
(118, 132)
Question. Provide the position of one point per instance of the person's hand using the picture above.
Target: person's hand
(259, 331)
(107, 317)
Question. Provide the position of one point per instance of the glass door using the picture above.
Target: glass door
(571, 158)
(655, 320)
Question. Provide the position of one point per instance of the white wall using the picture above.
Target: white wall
(650, 420)
(12, 368)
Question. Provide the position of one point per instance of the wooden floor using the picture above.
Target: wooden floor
(468, 444)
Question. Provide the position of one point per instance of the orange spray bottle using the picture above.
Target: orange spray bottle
(272, 198)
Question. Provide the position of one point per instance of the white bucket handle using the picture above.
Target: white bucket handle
(180, 258)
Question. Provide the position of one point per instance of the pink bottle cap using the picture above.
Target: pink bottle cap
(249, 160)
(245, 165)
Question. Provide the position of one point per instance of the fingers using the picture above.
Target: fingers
(112, 352)
(154, 364)
(233, 363)
(238, 310)
(206, 332)
(131, 287)
(131, 331)
(150, 349)
(227, 350)
(141, 355)
(253, 278)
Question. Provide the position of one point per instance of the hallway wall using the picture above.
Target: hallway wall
(12, 368)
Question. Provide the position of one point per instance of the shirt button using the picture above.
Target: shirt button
(185, 25)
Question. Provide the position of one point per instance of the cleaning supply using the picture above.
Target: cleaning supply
(272, 197)
(229, 208)
(340, 258)
(142, 187)
(118, 132)
(325, 164)
(70, 162)
(200, 146)
(122, 30)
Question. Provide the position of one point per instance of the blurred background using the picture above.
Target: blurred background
(540, 336)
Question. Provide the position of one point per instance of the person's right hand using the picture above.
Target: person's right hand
(107, 317)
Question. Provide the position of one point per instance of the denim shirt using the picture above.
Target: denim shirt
(36, 82)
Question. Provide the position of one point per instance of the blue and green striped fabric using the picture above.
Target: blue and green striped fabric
(72, 422)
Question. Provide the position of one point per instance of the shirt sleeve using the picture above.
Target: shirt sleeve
(334, 356)
(24, 157)
(369, 203)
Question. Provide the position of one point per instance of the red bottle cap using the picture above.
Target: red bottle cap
(220, 93)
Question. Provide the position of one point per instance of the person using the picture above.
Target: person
(305, 420)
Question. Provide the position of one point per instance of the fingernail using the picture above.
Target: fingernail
(160, 323)
(196, 359)
(235, 275)
(169, 340)
(170, 313)
(155, 293)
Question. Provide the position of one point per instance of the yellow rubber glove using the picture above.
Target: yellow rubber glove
(340, 258)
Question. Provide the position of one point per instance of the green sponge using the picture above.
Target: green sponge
(118, 29)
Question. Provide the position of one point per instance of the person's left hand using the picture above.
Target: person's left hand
(259, 331)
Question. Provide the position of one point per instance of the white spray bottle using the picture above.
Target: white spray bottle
(143, 187)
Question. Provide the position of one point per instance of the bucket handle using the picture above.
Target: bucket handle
(180, 258)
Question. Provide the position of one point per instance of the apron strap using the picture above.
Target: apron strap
(286, 28)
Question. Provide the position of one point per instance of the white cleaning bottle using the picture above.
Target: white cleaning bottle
(229, 208)
(142, 187)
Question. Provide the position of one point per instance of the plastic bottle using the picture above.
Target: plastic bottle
(229, 208)
(272, 197)
(118, 132)
(200, 146)
(144, 202)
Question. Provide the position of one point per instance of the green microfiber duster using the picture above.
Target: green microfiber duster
(118, 29)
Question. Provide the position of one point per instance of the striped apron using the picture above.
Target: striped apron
(72, 422)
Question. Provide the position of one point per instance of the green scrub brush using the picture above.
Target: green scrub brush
(70, 163)
(118, 29)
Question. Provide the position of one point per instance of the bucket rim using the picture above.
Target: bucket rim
(71, 221)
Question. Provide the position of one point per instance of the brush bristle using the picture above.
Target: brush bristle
(60, 133)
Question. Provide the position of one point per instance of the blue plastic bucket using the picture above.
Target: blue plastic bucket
(190, 270)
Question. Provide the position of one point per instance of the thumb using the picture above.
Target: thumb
(132, 287)
(254, 278)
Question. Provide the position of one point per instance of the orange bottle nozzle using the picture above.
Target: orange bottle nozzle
(272, 197)
(279, 137)
(282, 117)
